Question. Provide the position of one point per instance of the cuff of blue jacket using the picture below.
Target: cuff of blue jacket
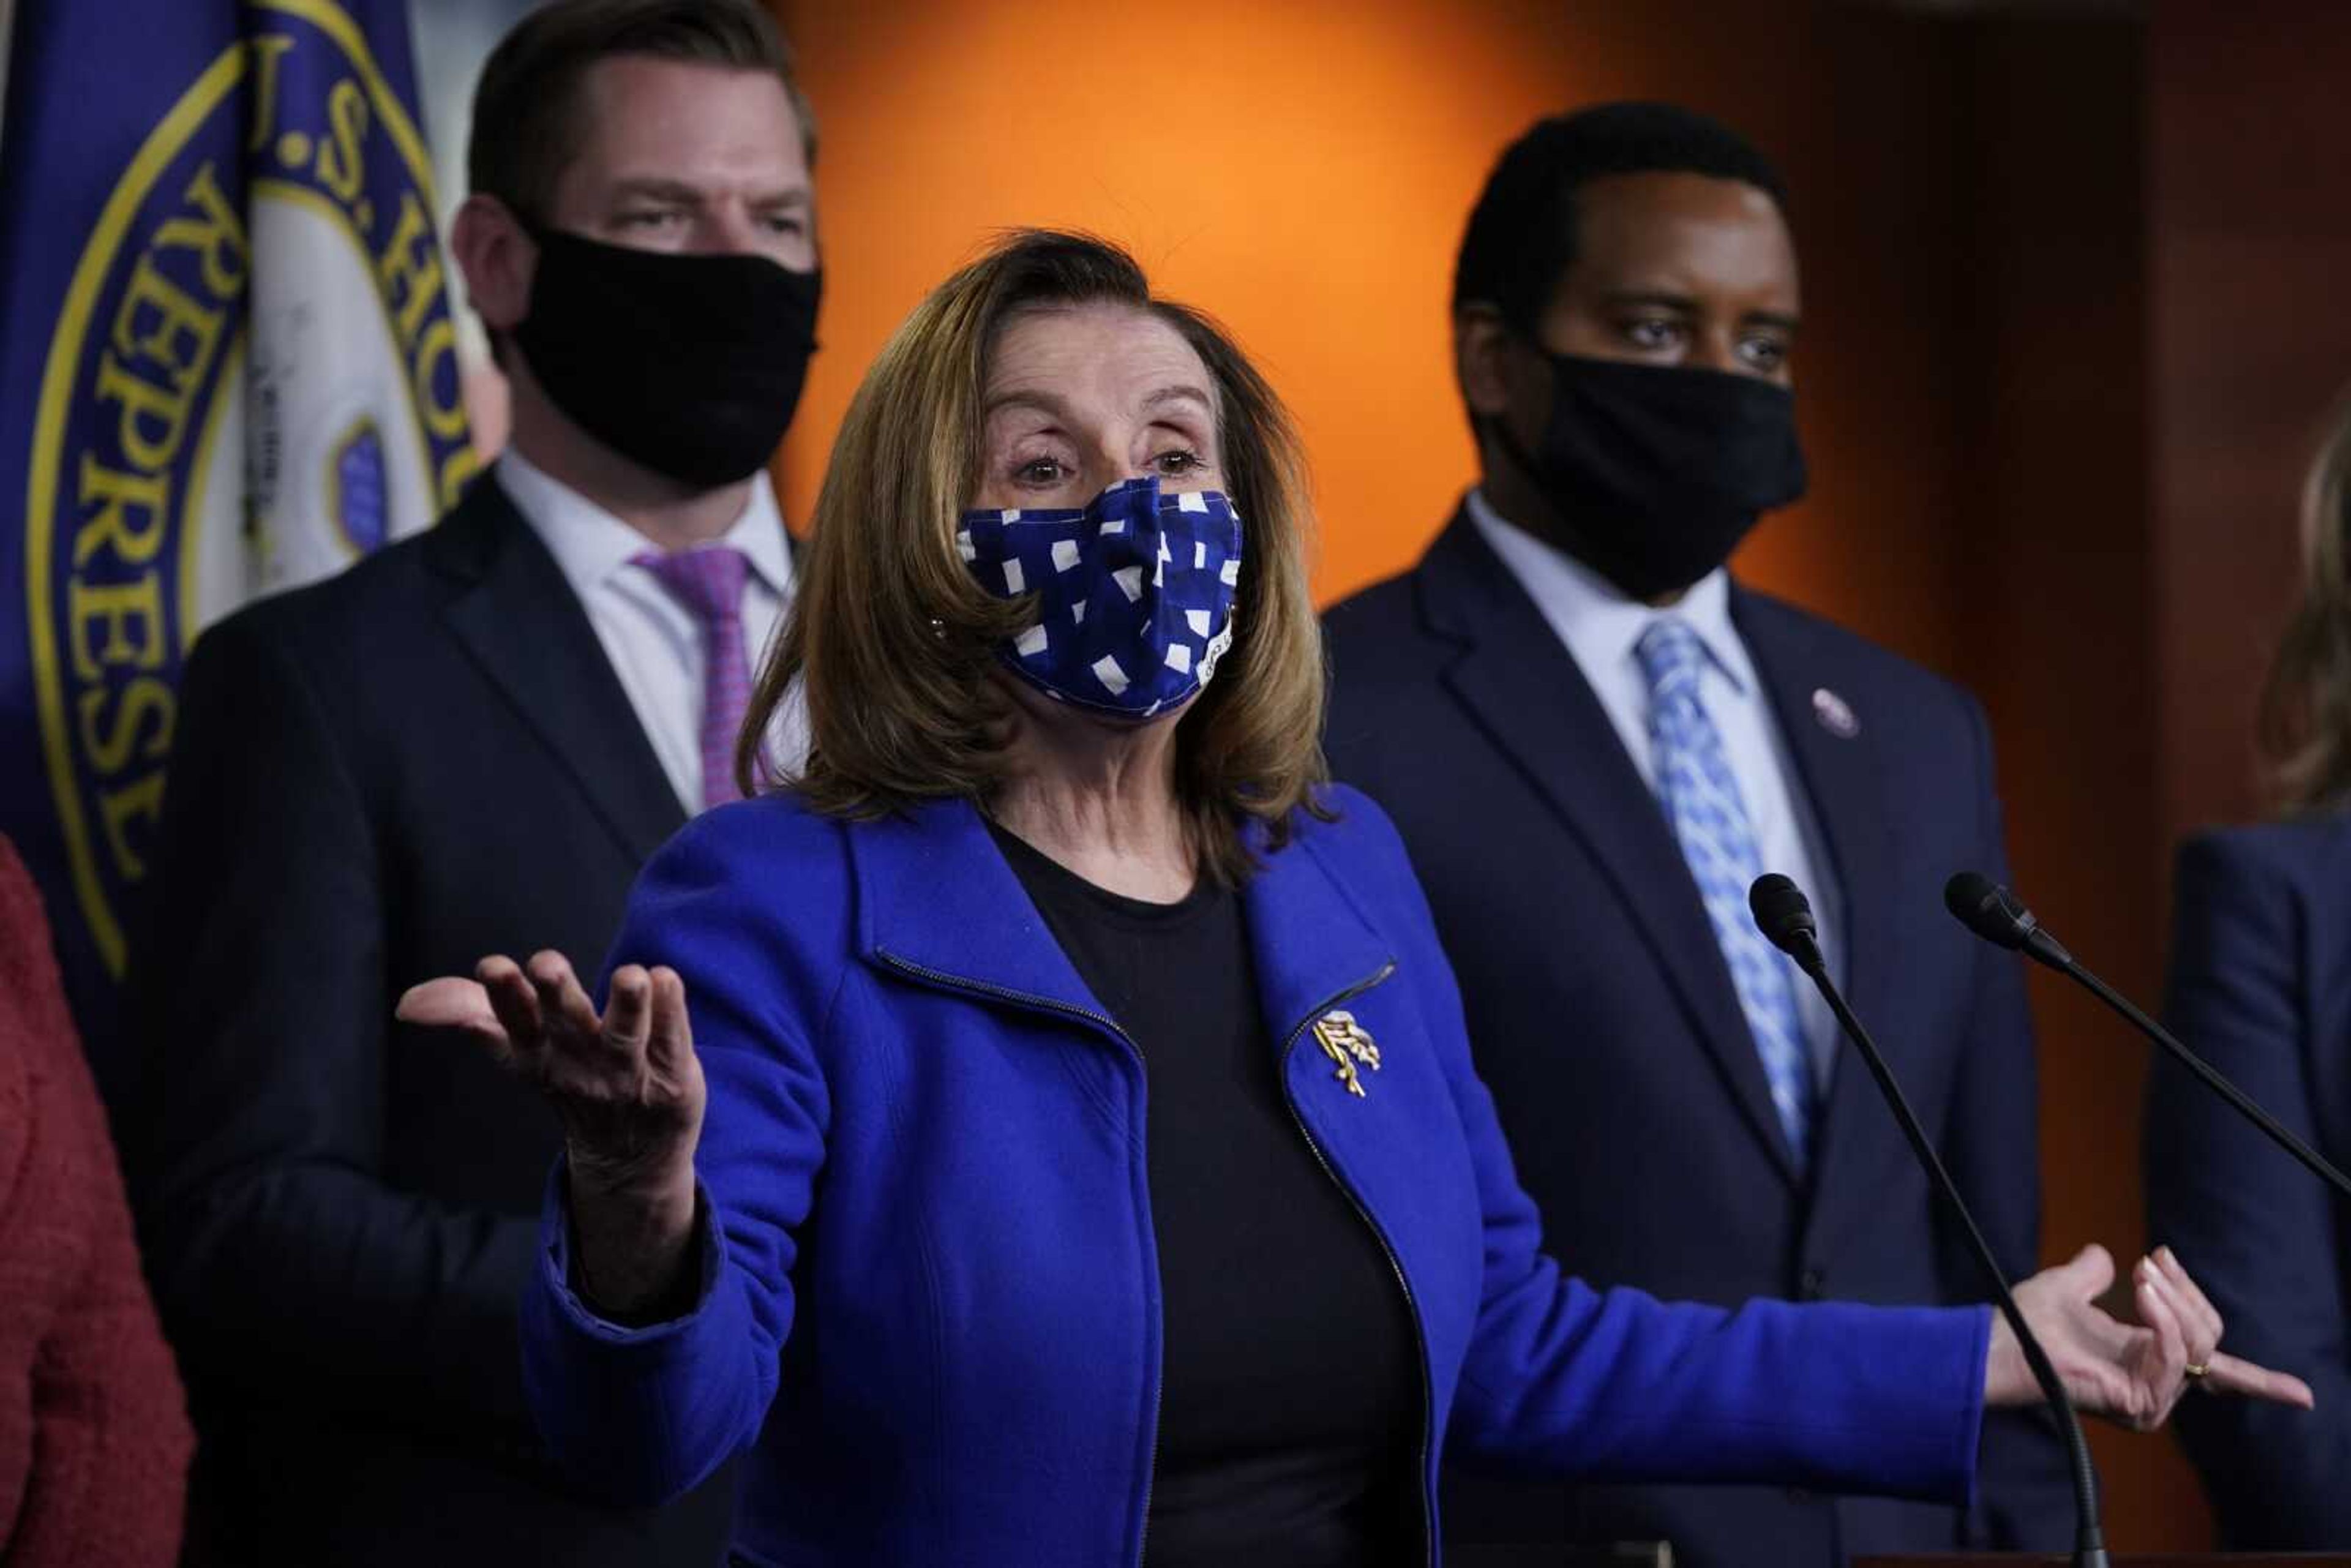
(558, 1255)
(629, 1411)
(1969, 1458)
(1907, 1417)
(1939, 1376)
(1883, 1401)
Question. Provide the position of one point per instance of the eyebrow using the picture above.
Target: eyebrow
(1051, 404)
(664, 190)
(1044, 402)
(1165, 395)
(1688, 305)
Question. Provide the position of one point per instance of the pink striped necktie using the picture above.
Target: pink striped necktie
(709, 583)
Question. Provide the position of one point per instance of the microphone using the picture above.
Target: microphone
(1994, 914)
(1784, 915)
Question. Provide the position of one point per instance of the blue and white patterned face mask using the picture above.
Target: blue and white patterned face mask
(1134, 593)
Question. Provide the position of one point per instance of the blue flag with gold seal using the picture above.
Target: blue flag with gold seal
(228, 367)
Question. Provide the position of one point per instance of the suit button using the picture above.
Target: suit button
(1811, 1285)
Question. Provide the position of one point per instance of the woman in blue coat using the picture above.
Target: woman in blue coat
(1074, 1151)
(2260, 986)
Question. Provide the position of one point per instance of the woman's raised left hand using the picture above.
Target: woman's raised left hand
(2132, 1375)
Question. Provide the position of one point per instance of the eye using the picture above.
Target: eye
(785, 223)
(1177, 464)
(650, 219)
(1041, 471)
(1767, 354)
(1654, 333)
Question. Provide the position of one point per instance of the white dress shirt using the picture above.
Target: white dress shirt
(1601, 628)
(654, 642)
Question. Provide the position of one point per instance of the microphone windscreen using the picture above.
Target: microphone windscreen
(1986, 908)
(1781, 912)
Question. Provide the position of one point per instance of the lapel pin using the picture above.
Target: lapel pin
(1347, 1043)
(1835, 714)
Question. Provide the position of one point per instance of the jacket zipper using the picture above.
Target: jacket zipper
(1052, 1005)
(1412, 1306)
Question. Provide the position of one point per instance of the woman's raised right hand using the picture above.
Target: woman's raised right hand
(628, 1088)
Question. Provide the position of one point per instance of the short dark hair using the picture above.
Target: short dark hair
(1521, 237)
(525, 107)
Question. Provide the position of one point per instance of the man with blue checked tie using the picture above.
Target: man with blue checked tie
(1593, 740)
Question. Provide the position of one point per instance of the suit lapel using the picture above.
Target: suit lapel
(936, 899)
(1526, 691)
(938, 904)
(1836, 769)
(522, 624)
(1312, 945)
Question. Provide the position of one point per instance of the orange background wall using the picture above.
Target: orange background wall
(2066, 301)
(1304, 171)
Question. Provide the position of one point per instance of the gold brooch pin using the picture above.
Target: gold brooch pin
(1346, 1044)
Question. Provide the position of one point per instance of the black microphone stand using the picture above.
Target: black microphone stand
(1785, 917)
(1993, 913)
(2210, 1075)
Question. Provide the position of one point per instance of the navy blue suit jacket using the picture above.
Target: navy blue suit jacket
(1603, 1018)
(2261, 986)
(377, 780)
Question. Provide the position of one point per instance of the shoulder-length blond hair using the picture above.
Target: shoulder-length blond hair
(2305, 715)
(893, 642)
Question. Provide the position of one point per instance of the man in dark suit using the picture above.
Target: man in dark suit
(1593, 740)
(467, 743)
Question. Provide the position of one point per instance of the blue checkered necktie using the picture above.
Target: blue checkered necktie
(1701, 799)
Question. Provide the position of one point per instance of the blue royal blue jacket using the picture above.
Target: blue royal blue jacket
(928, 1298)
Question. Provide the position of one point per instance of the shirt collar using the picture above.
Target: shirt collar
(1599, 623)
(591, 545)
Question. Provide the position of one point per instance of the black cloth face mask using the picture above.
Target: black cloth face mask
(1657, 472)
(688, 364)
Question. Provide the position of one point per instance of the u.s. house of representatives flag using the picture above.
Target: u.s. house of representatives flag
(228, 367)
